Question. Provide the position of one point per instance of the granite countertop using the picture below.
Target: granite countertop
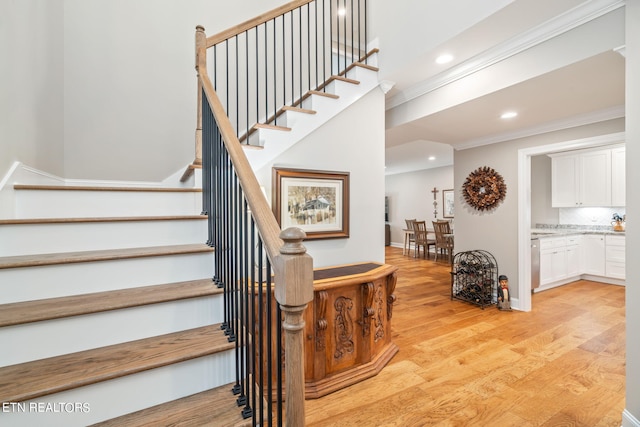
(546, 230)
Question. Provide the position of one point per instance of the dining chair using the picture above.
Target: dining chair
(444, 239)
(410, 236)
(422, 238)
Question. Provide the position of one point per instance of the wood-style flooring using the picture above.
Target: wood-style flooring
(562, 364)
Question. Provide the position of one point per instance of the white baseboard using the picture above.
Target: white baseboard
(628, 420)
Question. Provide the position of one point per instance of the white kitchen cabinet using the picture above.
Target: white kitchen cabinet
(574, 255)
(615, 257)
(593, 254)
(581, 179)
(618, 178)
(553, 260)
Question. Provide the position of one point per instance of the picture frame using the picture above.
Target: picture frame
(447, 203)
(315, 201)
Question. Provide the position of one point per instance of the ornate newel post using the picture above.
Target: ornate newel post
(294, 290)
(201, 47)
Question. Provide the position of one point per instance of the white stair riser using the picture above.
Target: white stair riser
(320, 104)
(363, 75)
(55, 337)
(121, 396)
(29, 239)
(24, 284)
(68, 203)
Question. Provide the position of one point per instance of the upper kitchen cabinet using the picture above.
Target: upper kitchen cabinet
(618, 180)
(581, 178)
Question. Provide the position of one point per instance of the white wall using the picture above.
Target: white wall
(105, 89)
(632, 397)
(351, 142)
(31, 84)
(541, 210)
(410, 197)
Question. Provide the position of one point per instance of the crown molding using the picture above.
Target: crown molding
(581, 120)
(560, 24)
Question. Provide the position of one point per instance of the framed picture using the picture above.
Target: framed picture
(447, 203)
(314, 201)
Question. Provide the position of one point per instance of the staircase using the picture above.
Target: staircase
(108, 312)
(107, 308)
(107, 299)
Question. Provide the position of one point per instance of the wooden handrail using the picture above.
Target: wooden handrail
(265, 220)
(258, 20)
(292, 266)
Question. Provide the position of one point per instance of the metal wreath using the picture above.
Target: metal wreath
(484, 189)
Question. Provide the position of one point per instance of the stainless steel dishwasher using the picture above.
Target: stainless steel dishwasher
(535, 263)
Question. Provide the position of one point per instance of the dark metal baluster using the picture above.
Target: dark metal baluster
(237, 87)
(254, 334)
(226, 62)
(324, 41)
(247, 349)
(227, 244)
(233, 273)
(308, 48)
(300, 49)
(365, 31)
(269, 340)
(246, 44)
(275, 74)
(262, 300)
(257, 77)
(279, 354)
(284, 64)
(266, 74)
(352, 35)
(293, 80)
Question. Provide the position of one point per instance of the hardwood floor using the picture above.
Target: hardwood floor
(562, 364)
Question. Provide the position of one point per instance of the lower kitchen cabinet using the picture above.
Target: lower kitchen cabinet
(574, 256)
(615, 257)
(567, 258)
(558, 260)
(593, 254)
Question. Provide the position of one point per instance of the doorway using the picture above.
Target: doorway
(524, 203)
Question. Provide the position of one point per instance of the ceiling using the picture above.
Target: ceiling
(580, 86)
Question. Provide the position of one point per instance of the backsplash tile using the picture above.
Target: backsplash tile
(588, 216)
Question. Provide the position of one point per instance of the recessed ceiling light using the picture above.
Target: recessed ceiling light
(432, 157)
(342, 11)
(443, 59)
(509, 115)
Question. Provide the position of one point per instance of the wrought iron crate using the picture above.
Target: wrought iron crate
(474, 278)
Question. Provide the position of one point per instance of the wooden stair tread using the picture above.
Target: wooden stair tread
(106, 188)
(100, 219)
(54, 308)
(344, 79)
(272, 127)
(100, 255)
(367, 66)
(190, 170)
(55, 374)
(298, 110)
(215, 407)
(325, 94)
